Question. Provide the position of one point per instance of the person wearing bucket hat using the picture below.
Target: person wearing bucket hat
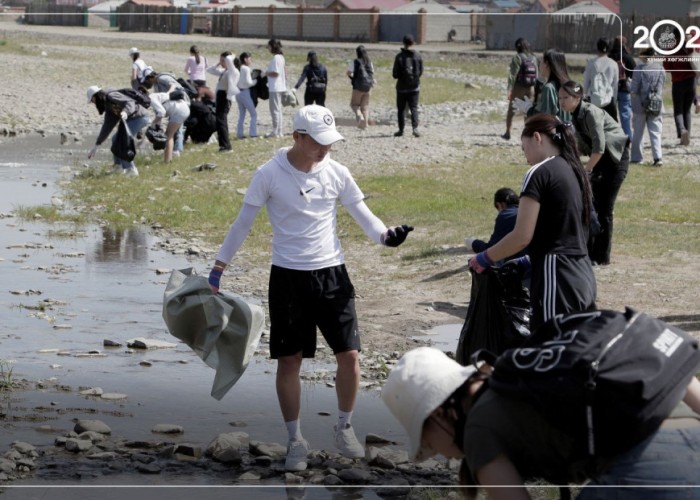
(137, 67)
(448, 409)
(309, 285)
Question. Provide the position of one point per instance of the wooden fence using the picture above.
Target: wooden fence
(149, 18)
(55, 15)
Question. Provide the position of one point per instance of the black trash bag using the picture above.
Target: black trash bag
(124, 145)
(157, 136)
(498, 317)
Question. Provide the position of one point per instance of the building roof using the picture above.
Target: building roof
(369, 4)
(105, 7)
(428, 5)
(506, 4)
(586, 7)
(155, 3)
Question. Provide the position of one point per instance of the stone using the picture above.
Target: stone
(93, 391)
(356, 476)
(77, 445)
(168, 429)
(249, 476)
(23, 447)
(275, 450)
(92, 425)
(142, 343)
(226, 447)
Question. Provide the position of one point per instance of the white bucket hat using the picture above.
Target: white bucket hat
(91, 91)
(133, 50)
(422, 380)
(318, 122)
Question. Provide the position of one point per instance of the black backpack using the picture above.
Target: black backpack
(140, 97)
(188, 87)
(363, 76)
(409, 70)
(527, 74)
(605, 378)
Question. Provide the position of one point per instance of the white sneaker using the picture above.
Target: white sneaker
(131, 172)
(176, 154)
(347, 443)
(297, 452)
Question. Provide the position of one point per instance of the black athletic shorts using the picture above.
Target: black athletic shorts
(302, 300)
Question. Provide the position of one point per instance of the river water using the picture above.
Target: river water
(102, 284)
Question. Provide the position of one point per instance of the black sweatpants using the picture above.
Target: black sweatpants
(683, 95)
(410, 100)
(560, 284)
(606, 180)
(222, 108)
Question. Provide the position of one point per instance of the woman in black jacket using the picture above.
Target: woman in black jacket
(316, 77)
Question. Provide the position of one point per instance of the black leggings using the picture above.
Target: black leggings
(606, 180)
(222, 108)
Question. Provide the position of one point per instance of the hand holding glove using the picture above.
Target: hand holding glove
(92, 152)
(215, 279)
(522, 105)
(394, 236)
(123, 115)
(480, 262)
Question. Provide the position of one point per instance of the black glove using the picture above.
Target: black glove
(397, 235)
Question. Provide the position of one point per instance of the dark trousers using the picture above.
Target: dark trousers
(606, 180)
(519, 91)
(611, 109)
(222, 108)
(314, 97)
(410, 100)
(683, 93)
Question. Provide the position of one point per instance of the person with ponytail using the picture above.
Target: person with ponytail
(554, 72)
(608, 147)
(553, 222)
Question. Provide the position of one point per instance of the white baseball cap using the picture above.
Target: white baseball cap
(318, 122)
(91, 91)
(422, 380)
(133, 50)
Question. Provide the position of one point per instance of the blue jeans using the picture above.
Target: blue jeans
(179, 145)
(245, 103)
(624, 105)
(669, 459)
(134, 125)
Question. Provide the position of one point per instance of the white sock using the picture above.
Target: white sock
(294, 430)
(344, 418)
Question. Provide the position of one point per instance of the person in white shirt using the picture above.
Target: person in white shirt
(309, 284)
(602, 64)
(244, 99)
(176, 108)
(226, 90)
(137, 67)
(277, 85)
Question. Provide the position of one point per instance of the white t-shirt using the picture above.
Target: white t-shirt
(303, 232)
(277, 83)
(139, 66)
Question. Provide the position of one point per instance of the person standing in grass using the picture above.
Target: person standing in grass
(244, 98)
(554, 73)
(309, 284)
(521, 79)
(226, 91)
(316, 77)
(137, 67)
(196, 67)
(407, 70)
(276, 73)
(650, 77)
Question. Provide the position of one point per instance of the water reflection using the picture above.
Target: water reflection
(121, 245)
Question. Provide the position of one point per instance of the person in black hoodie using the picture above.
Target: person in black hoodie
(408, 68)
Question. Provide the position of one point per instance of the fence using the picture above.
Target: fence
(55, 15)
(149, 18)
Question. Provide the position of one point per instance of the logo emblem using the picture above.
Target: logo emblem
(328, 120)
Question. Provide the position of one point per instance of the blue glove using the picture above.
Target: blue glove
(480, 262)
(215, 279)
(396, 235)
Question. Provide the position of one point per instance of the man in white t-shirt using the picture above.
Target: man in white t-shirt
(309, 284)
(276, 85)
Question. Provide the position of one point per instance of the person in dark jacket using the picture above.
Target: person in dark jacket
(116, 106)
(682, 92)
(506, 202)
(316, 77)
(408, 68)
(621, 55)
